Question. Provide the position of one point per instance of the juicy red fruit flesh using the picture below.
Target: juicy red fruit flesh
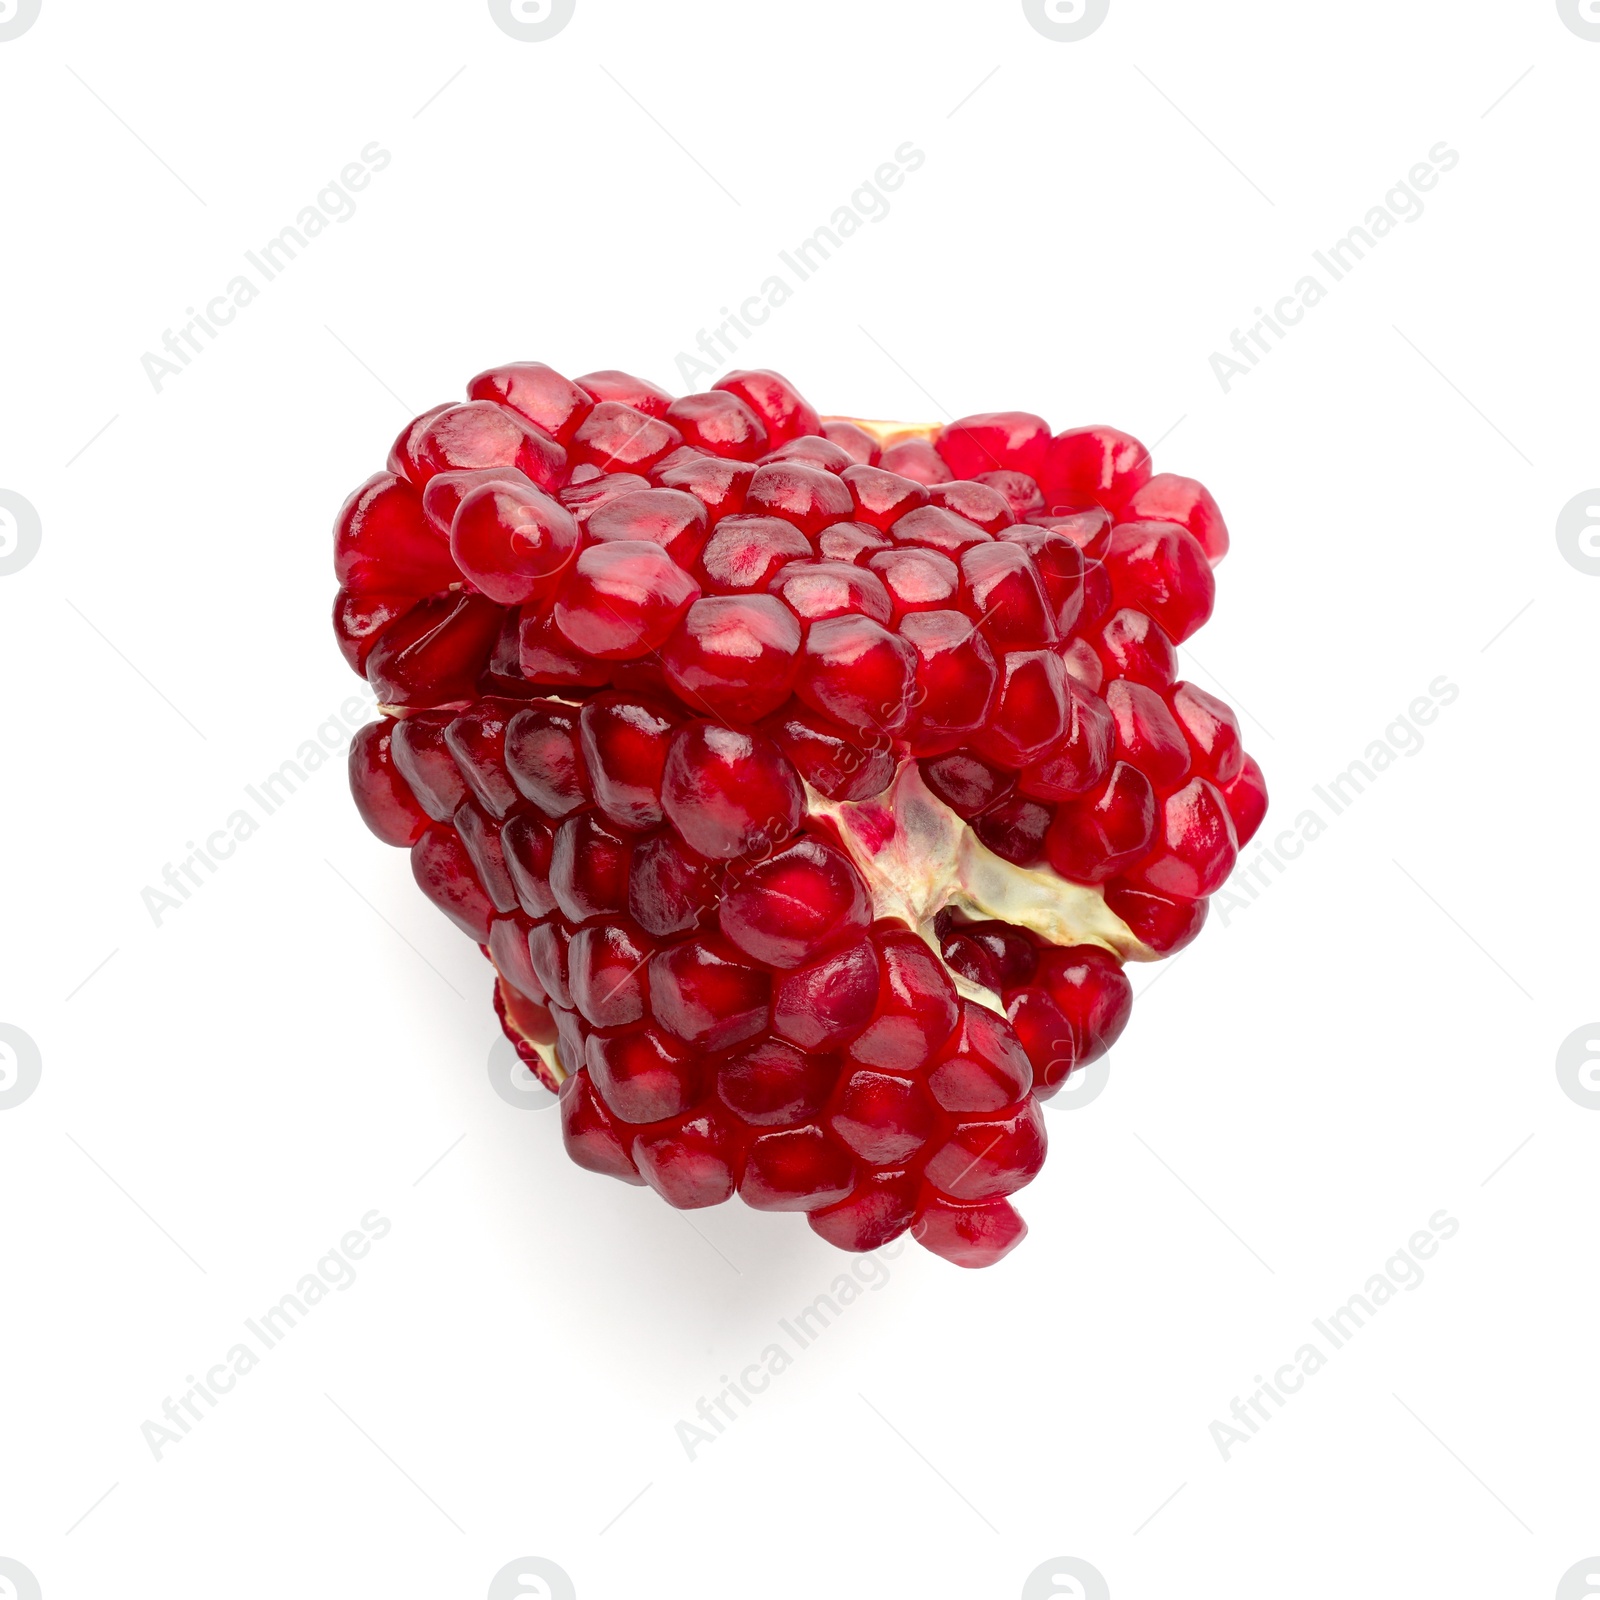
(631, 649)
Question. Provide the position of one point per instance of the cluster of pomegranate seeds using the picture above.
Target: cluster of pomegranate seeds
(671, 689)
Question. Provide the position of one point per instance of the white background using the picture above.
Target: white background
(224, 1095)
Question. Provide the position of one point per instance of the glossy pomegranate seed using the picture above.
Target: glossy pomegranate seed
(916, 1007)
(1081, 758)
(956, 679)
(508, 950)
(816, 589)
(993, 440)
(1195, 847)
(623, 389)
(969, 1236)
(643, 1076)
(827, 1003)
(734, 656)
(828, 758)
(881, 1118)
(547, 950)
(444, 872)
(882, 498)
(807, 497)
(616, 438)
(481, 434)
(965, 783)
(772, 1084)
(1148, 735)
(536, 392)
(857, 442)
(985, 1159)
(878, 1210)
(1213, 732)
(729, 792)
(382, 541)
(1015, 829)
(668, 517)
(528, 843)
(775, 400)
(856, 672)
(795, 1169)
(360, 620)
(789, 908)
(981, 503)
(812, 451)
(983, 1068)
(748, 552)
(915, 459)
(622, 600)
(1060, 564)
(1093, 839)
(584, 499)
(544, 756)
(1019, 490)
(1006, 595)
(917, 580)
(1093, 466)
(1163, 923)
(422, 758)
(718, 484)
(591, 1134)
(1092, 992)
(850, 541)
(606, 973)
(690, 1164)
(589, 868)
(1134, 646)
(670, 888)
(442, 498)
(510, 541)
(1247, 801)
(1030, 716)
(624, 743)
(708, 995)
(383, 797)
(434, 655)
(476, 742)
(720, 424)
(999, 956)
(1159, 569)
(481, 838)
(934, 528)
(1169, 498)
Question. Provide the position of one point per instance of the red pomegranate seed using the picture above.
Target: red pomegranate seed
(620, 601)
(616, 438)
(916, 1007)
(508, 950)
(718, 484)
(1169, 498)
(1159, 569)
(917, 580)
(774, 1085)
(720, 424)
(1084, 666)
(1148, 735)
(606, 973)
(1093, 839)
(969, 1236)
(359, 621)
(1009, 956)
(1015, 829)
(965, 783)
(1094, 466)
(826, 1004)
(1247, 801)
(747, 552)
(729, 792)
(623, 389)
(993, 440)
(934, 528)
(1030, 716)
(850, 541)
(807, 497)
(670, 889)
(547, 949)
(423, 759)
(1213, 732)
(1061, 566)
(985, 1159)
(624, 743)
(983, 1067)
(882, 498)
(528, 843)
(877, 1211)
(476, 740)
(858, 673)
(434, 655)
(1093, 994)
(1165, 924)
(856, 442)
(786, 910)
(1006, 595)
(1020, 492)
(383, 797)
(795, 1169)
(382, 541)
(643, 1076)
(591, 1134)
(444, 872)
(589, 868)
(956, 679)
(402, 453)
(828, 758)
(881, 1118)
(668, 517)
(775, 400)
(482, 841)
(536, 392)
(1081, 758)
(915, 459)
(690, 1164)
(1195, 847)
(812, 451)
(733, 656)
(545, 759)
(708, 995)
(981, 503)
(441, 500)
(481, 434)
(593, 494)
(1132, 645)
(816, 589)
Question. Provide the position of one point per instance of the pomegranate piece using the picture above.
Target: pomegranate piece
(715, 724)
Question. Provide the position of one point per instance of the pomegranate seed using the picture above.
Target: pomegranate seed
(1165, 924)
(981, 503)
(1159, 569)
(621, 600)
(476, 740)
(729, 792)
(383, 541)
(434, 654)
(817, 589)
(422, 758)
(1020, 492)
(1134, 646)
(984, 1159)
(917, 580)
(591, 1134)
(481, 840)
(1195, 845)
(882, 498)
(969, 1236)
(624, 743)
(382, 795)
(616, 438)
(623, 389)
(689, 1163)
(828, 758)
(1015, 829)
(1005, 956)
(441, 500)
(1084, 665)
(787, 909)
(359, 621)
(593, 494)
(1169, 498)
(1094, 466)
(668, 517)
(547, 950)
(1213, 732)
(528, 844)
(824, 1005)
(774, 1085)
(807, 497)
(1061, 566)
(849, 541)
(536, 392)
(934, 528)
(734, 656)
(877, 1211)
(1030, 716)
(606, 973)
(775, 400)
(642, 1076)
(795, 1169)
(1005, 593)
(670, 889)
(545, 758)
(995, 439)
(856, 442)
(508, 950)
(966, 784)
(720, 424)
(1246, 796)
(882, 1119)
(706, 994)
(858, 673)
(916, 1007)
(915, 459)
(589, 868)
(1093, 839)
(481, 434)
(956, 679)
(444, 872)
(1092, 992)
(748, 552)
(812, 451)
(718, 484)
(1148, 735)
(1081, 758)
(983, 1067)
